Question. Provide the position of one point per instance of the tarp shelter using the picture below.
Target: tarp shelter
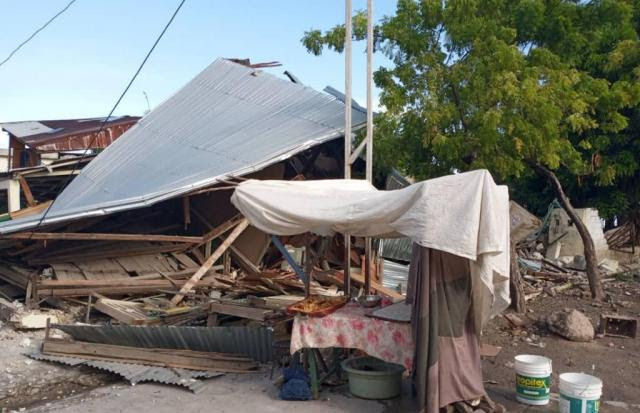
(228, 121)
(459, 225)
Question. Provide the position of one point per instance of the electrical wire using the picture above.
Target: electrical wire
(36, 32)
(106, 120)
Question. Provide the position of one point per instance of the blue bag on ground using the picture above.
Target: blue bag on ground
(296, 385)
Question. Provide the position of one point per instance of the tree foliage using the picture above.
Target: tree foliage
(506, 84)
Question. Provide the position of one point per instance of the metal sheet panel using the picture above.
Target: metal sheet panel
(395, 275)
(26, 128)
(254, 342)
(229, 120)
(137, 373)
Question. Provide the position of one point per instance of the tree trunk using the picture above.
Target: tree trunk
(518, 301)
(593, 274)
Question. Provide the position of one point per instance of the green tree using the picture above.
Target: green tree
(519, 87)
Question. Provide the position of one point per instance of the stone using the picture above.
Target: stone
(571, 324)
(565, 260)
(579, 262)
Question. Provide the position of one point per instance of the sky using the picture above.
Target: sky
(79, 65)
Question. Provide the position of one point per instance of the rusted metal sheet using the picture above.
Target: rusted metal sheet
(85, 140)
(68, 134)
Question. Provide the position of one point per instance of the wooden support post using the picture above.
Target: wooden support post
(210, 261)
(28, 196)
(308, 261)
(186, 211)
(226, 263)
(87, 317)
(207, 249)
(367, 265)
(347, 265)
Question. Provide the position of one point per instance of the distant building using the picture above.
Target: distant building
(30, 140)
(42, 154)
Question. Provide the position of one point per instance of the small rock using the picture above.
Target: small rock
(611, 345)
(579, 262)
(571, 324)
(26, 342)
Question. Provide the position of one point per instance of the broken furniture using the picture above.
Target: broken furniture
(616, 325)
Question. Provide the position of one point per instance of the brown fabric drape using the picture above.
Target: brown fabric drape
(447, 363)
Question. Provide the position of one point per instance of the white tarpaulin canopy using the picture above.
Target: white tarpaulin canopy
(465, 214)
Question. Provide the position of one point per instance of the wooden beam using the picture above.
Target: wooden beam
(25, 212)
(222, 228)
(143, 286)
(95, 236)
(28, 196)
(173, 358)
(186, 211)
(242, 311)
(241, 226)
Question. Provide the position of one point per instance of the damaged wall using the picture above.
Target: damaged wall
(564, 239)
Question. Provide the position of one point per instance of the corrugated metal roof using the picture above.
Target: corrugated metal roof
(137, 373)
(229, 120)
(397, 248)
(395, 275)
(254, 342)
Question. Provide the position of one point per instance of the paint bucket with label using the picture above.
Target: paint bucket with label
(579, 393)
(533, 379)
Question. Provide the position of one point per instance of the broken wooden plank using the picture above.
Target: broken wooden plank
(242, 311)
(28, 196)
(86, 236)
(337, 278)
(188, 359)
(126, 312)
(25, 212)
(241, 226)
(222, 228)
(142, 286)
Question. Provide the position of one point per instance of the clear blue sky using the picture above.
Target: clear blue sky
(79, 65)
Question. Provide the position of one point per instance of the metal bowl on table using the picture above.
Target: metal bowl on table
(369, 301)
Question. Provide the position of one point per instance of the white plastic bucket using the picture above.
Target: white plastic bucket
(533, 379)
(579, 393)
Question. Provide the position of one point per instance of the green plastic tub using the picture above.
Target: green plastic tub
(371, 378)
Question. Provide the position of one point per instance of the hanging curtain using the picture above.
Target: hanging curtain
(447, 363)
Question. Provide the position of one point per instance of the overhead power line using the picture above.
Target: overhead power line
(104, 122)
(36, 32)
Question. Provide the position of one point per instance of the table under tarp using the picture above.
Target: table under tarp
(459, 275)
(349, 327)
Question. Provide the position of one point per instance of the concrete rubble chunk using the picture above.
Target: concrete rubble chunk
(571, 324)
(609, 266)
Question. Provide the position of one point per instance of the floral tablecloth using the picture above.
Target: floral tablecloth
(348, 327)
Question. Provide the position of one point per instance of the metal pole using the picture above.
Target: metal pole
(369, 138)
(347, 90)
(369, 90)
(347, 135)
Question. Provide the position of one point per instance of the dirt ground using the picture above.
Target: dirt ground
(33, 386)
(614, 360)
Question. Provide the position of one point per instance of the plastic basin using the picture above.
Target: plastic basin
(371, 378)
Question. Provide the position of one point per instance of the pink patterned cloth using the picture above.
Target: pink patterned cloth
(348, 327)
